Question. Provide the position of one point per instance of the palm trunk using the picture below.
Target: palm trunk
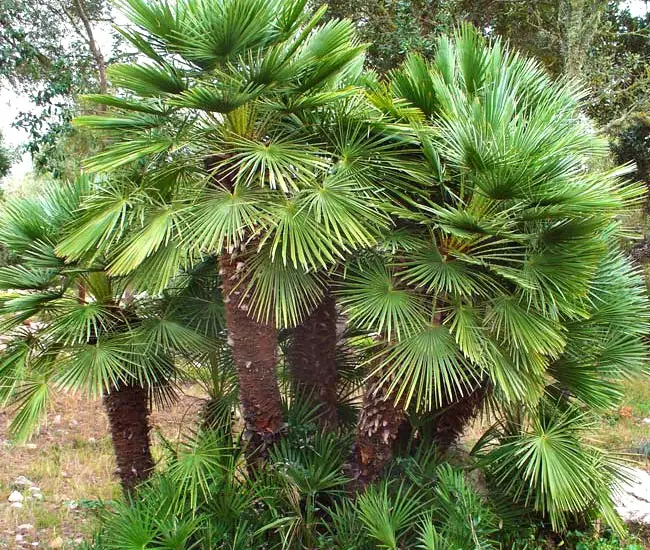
(448, 423)
(254, 350)
(128, 417)
(378, 428)
(312, 360)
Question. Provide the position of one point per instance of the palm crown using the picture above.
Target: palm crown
(73, 327)
(245, 119)
(505, 270)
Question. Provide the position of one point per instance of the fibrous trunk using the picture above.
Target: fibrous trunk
(378, 428)
(254, 350)
(128, 417)
(312, 359)
(448, 423)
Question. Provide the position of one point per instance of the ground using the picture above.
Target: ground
(70, 460)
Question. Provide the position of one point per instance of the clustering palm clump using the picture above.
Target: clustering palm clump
(358, 266)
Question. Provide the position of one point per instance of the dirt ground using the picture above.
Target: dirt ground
(69, 469)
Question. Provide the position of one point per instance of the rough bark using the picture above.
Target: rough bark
(448, 423)
(312, 359)
(254, 350)
(128, 417)
(378, 428)
(578, 21)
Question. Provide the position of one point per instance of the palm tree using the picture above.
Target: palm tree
(236, 115)
(311, 354)
(102, 341)
(504, 273)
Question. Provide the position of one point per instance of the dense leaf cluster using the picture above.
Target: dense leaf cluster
(455, 210)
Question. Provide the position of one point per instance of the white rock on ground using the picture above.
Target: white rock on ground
(15, 496)
(633, 500)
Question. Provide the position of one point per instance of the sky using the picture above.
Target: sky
(11, 103)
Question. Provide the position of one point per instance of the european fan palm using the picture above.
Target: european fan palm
(73, 327)
(263, 156)
(504, 272)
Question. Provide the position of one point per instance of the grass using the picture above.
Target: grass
(71, 461)
(626, 430)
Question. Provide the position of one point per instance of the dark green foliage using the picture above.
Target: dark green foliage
(632, 144)
(6, 159)
(393, 28)
(203, 498)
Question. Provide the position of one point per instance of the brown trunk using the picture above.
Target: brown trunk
(377, 431)
(312, 359)
(94, 48)
(448, 423)
(128, 417)
(254, 350)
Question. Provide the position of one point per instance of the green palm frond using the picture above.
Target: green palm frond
(388, 513)
(31, 400)
(426, 368)
(278, 163)
(141, 106)
(77, 323)
(156, 272)
(223, 99)
(121, 122)
(19, 277)
(437, 273)
(125, 152)
(281, 293)
(102, 219)
(346, 211)
(196, 466)
(298, 240)
(414, 83)
(523, 329)
(160, 229)
(97, 368)
(465, 521)
(373, 300)
(147, 80)
(165, 335)
(542, 460)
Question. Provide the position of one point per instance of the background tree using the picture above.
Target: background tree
(5, 159)
(49, 54)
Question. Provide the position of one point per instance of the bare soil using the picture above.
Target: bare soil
(70, 460)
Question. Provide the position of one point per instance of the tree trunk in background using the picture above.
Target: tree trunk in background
(254, 350)
(377, 431)
(578, 22)
(312, 359)
(128, 417)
